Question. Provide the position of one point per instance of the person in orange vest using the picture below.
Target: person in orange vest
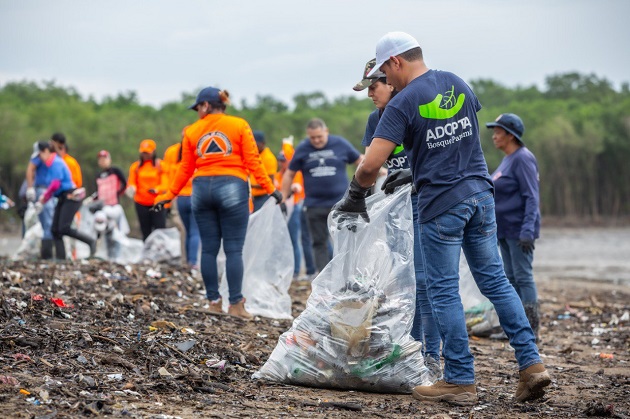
(146, 181)
(61, 148)
(270, 164)
(219, 152)
(183, 204)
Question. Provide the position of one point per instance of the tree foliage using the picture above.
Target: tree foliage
(578, 126)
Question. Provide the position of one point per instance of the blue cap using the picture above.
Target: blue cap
(509, 122)
(259, 136)
(209, 94)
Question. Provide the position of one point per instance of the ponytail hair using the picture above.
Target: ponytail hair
(224, 95)
(224, 100)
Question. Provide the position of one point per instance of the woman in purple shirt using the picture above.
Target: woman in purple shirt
(517, 207)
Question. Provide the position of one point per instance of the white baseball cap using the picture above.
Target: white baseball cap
(391, 45)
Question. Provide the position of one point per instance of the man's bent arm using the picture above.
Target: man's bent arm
(287, 180)
(375, 157)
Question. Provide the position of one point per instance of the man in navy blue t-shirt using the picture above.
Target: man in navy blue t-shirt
(434, 117)
(322, 158)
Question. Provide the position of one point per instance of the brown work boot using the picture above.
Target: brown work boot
(216, 306)
(532, 383)
(238, 310)
(460, 394)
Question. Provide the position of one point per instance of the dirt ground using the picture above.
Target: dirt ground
(120, 348)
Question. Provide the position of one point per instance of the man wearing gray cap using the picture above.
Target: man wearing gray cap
(434, 116)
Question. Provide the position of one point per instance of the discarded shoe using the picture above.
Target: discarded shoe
(238, 310)
(532, 383)
(216, 306)
(459, 394)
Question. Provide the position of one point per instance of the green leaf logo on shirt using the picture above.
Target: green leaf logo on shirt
(443, 106)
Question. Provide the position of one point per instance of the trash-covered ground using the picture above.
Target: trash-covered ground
(98, 339)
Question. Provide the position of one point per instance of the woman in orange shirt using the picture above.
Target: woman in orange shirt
(219, 151)
(145, 180)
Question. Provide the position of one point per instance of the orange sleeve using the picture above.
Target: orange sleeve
(270, 165)
(270, 162)
(299, 178)
(133, 175)
(75, 170)
(252, 159)
(165, 179)
(77, 175)
(288, 151)
(186, 167)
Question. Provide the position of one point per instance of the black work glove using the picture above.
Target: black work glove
(526, 245)
(396, 179)
(277, 195)
(346, 212)
(161, 200)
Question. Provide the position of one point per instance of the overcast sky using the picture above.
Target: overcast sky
(162, 48)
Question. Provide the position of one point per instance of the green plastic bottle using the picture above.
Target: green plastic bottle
(369, 366)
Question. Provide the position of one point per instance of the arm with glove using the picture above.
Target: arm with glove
(395, 179)
(254, 165)
(526, 172)
(352, 205)
(184, 171)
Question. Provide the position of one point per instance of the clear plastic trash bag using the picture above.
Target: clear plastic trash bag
(268, 264)
(355, 330)
(162, 245)
(481, 318)
(31, 243)
(30, 216)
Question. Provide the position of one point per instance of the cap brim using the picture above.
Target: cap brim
(376, 71)
(497, 124)
(363, 84)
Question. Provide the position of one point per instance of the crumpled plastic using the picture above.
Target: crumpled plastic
(355, 330)
(130, 249)
(481, 318)
(162, 245)
(268, 264)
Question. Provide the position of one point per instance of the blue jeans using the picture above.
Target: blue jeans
(424, 328)
(46, 216)
(471, 225)
(307, 243)
(518, 269)
(221, 208)
(293, 224)
(299, 234)
(184, 206)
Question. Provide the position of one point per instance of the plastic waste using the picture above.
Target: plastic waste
(31, 243)
(268, 268)
(355, 330)
(129, 250)
(481, 318)
(162, 245)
